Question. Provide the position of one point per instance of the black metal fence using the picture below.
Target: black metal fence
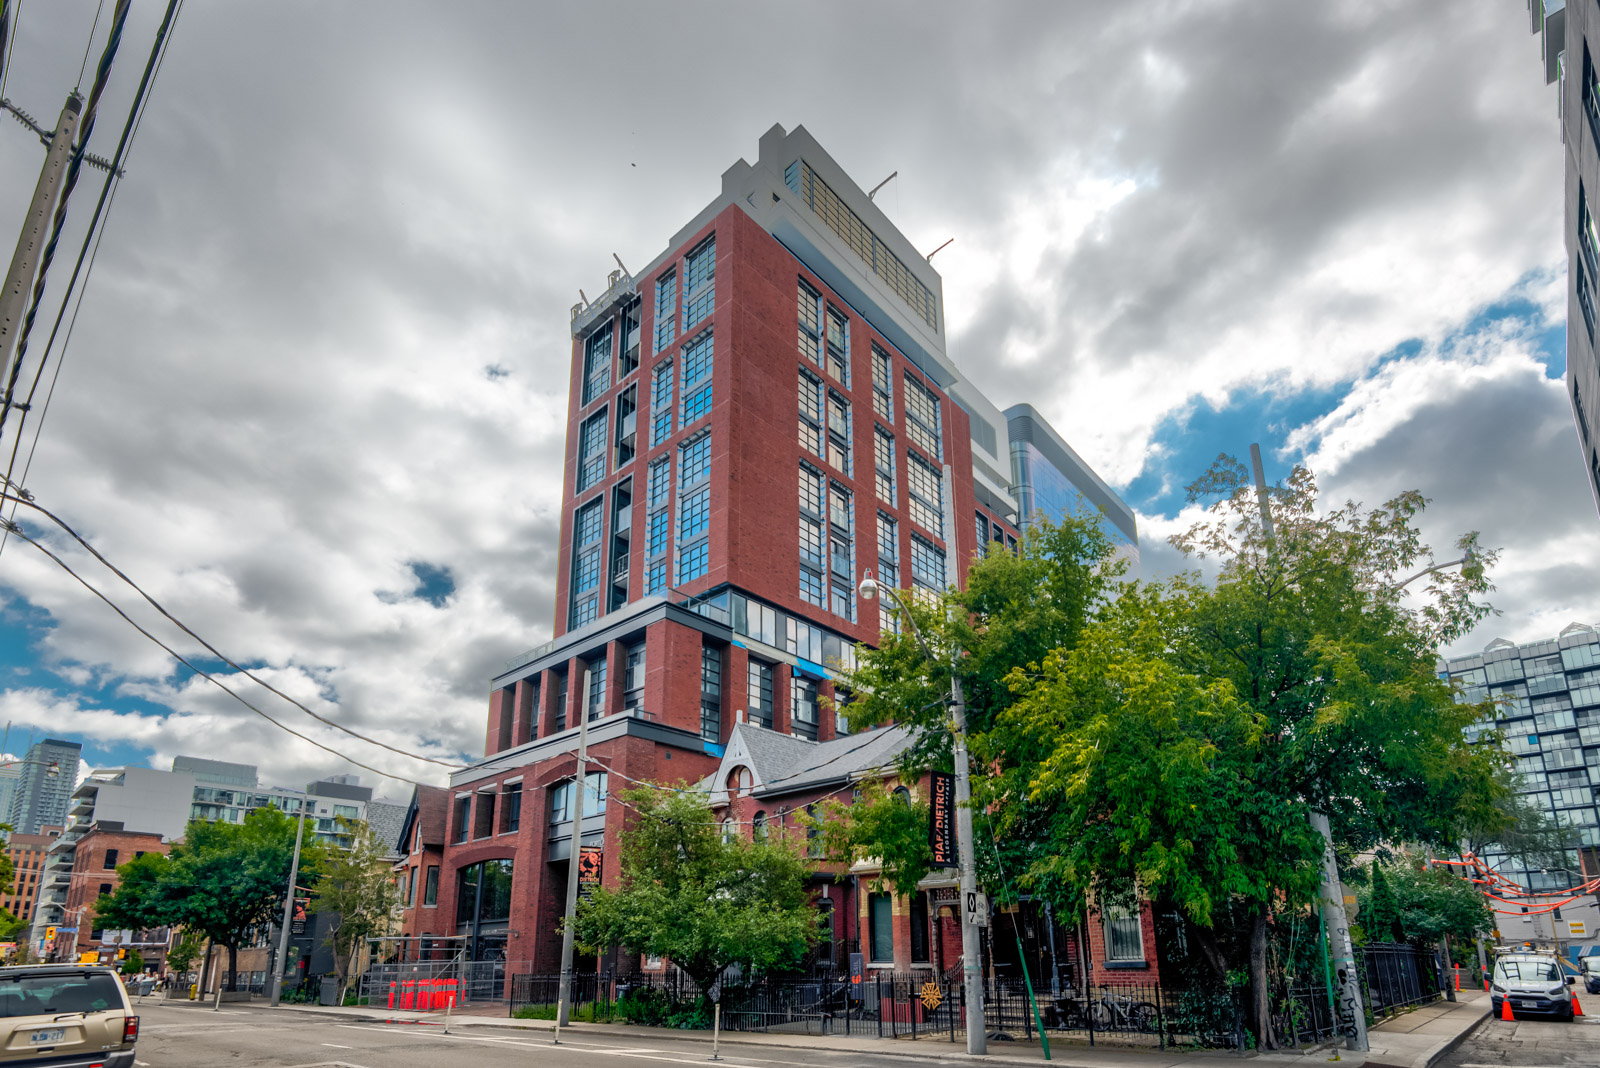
(926, 1005)
(1394, 976)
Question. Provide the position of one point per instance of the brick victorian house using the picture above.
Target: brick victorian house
(759, 415)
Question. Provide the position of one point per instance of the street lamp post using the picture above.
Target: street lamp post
(971, 962)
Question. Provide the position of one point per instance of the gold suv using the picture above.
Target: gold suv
(65, 1016)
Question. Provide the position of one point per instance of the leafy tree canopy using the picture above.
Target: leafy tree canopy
(1171, 738)
(220, 881)
(699, 898)
(357, 890)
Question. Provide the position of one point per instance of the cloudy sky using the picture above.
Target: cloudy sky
(315, 397)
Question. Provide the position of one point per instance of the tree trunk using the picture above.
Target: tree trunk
(233, 966)
(1206, 939)
(1258, 980)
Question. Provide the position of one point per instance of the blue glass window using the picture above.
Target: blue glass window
(597, 363)
(692, 563)
(696, 390)
(661, 403)
(694, 515)
(694, 461)
(666, 310)
(699, 283)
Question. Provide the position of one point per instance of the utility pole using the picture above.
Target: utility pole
(568, 931)
(288, 913)
(1334, 921)
(971, 944)
(35, 231)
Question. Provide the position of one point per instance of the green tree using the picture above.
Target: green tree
(182, 955)
(1168, 740)
(1381, 917)
(1431, 902)
(357, 892)
(700, 898)
(222, 880)
(133, 963)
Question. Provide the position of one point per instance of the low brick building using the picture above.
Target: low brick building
(95, 858)
(27, 855)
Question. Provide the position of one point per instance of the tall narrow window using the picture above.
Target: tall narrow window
(841, 551)
(839, 433)
(597, 688)
(661, 403)
(919, 927)
(463, 818)
(711, 693)
(633, 676)
(560, 716)
(592, 450)
(883, 464)
(922, 417)
(597, 363)
(810, 412)
(927, 565)
(888, 571)
(696, 388)
(586, 563)
(882, 385)
(838, 346)
(803, 717)
(658, 540)
(626, 439)
(694, 508)
(430, 886)
(513, 807)
(810, 315)
(699, 283)
(628, 360)
(926, 494)
(759, 706)
(666, 310)
(811, 535)
(880, 917)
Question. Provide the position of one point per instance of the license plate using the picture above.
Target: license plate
(1515, 1004)
(43, 1038)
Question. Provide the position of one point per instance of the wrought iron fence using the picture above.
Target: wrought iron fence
(545, 990)
(926, 1005)
(1394, 977)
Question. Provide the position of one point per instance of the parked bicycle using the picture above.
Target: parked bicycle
(1118, 1012)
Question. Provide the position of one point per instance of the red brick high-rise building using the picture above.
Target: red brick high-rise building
(758, 416)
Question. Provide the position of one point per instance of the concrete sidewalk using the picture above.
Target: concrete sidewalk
(1417, 1039)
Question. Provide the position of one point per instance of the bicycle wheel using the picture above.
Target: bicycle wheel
(1146, 1018)
(1100, 1017)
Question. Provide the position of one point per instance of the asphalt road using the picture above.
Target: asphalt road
(244, 1037)
(1530, 1044)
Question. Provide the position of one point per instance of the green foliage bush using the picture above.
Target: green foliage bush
(655, 1008)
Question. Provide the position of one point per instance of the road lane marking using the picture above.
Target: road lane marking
(336, 1045)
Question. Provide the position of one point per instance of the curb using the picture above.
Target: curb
(1441, 1051)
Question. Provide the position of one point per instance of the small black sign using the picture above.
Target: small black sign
(942, 819)
(297, 918)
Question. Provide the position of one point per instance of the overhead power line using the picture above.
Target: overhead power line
(96, 231)
(213, 650)
(102, 73)
(180, 658)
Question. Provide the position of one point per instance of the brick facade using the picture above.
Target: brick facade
(745, 615)
(94, 862)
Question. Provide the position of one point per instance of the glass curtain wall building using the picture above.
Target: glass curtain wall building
(1050, 480)
(1550, 715)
